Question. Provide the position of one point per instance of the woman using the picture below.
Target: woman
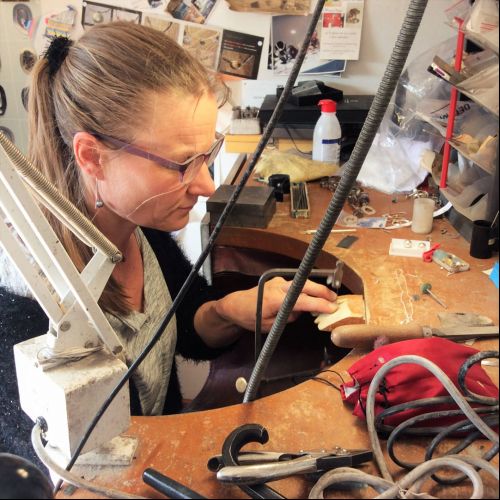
(123, 123)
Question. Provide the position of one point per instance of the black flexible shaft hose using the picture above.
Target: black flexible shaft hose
(351, 170)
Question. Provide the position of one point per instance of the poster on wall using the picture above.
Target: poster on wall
(99, 13)
(342, 21)
(291, 7)
(166, 25)
(240, 54)
(195, 11)
(287, 33)
(203, 44)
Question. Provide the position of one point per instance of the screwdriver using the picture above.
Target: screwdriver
(426, 289)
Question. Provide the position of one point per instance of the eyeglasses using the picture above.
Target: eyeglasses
(188, 170)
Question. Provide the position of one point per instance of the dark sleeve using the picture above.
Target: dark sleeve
(176, 267)
(20, 320)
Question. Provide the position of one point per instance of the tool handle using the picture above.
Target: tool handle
(168, 486)
(365, 335)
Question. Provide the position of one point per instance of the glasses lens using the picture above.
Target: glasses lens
(215, 152)
(195, 166)
(193, 169)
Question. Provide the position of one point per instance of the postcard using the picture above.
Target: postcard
(240, 54)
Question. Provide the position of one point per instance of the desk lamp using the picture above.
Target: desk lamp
(66, 374)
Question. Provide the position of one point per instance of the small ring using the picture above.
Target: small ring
(408, 244)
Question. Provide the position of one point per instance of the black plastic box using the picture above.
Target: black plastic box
(255, 206)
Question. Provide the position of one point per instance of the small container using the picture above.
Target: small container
(481, 243)
(327, 134)
(423, 215)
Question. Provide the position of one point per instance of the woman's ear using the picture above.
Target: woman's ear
(88, 154)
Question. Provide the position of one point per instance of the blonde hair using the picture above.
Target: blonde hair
(102, 86)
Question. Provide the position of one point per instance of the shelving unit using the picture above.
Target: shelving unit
(477, 197)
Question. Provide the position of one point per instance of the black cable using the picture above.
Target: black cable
(336, 373)
(402, 428)
(306, 153)
(491, 420)
(327, 382)
(215, 233)
(413, 405)
(476, 358)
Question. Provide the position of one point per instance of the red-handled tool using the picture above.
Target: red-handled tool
(427, 256)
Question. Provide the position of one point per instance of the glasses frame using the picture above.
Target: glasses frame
(182, 168)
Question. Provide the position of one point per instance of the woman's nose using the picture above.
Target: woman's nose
(202, 184)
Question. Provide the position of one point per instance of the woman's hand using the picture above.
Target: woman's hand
(240, 307)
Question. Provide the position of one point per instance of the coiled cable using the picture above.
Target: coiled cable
(410, 485)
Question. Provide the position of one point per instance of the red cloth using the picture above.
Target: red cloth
(409, 382)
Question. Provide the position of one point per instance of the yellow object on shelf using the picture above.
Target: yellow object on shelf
(241, 143)
(246, 143)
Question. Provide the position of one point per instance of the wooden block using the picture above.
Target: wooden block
(351, 311)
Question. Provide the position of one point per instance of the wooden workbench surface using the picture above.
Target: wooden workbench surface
(311, 415)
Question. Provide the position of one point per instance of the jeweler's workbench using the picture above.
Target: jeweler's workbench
(312, 415)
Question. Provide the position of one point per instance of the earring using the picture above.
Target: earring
(98, 202)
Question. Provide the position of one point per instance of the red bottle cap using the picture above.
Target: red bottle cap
(327, 106)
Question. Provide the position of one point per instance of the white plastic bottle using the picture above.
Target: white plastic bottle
(327, 134)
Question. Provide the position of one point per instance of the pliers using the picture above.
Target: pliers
(261, 467)
(257, 467)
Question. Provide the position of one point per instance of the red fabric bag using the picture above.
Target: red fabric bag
(409, 382)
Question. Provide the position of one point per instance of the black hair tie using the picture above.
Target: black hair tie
(57, 52)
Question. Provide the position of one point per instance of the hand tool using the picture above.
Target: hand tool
(365, 335)
(168, 486)
(426, 289)
(293, 463)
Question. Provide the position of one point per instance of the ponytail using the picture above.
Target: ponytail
(53, 156)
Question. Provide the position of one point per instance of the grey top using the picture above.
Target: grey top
(136, 329)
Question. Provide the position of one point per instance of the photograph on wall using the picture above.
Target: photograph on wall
(240, 54)
(61, 23)
(287, 34)
(291, 7)
(166, 25)
(205, 7)
(185, 11)
(342, 22)
(159, 5)
(203, 44)
(98, 13)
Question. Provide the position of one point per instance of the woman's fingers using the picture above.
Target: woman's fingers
(307, 303)
(314, 289)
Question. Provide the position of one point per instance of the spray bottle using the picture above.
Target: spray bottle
(327, 134)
